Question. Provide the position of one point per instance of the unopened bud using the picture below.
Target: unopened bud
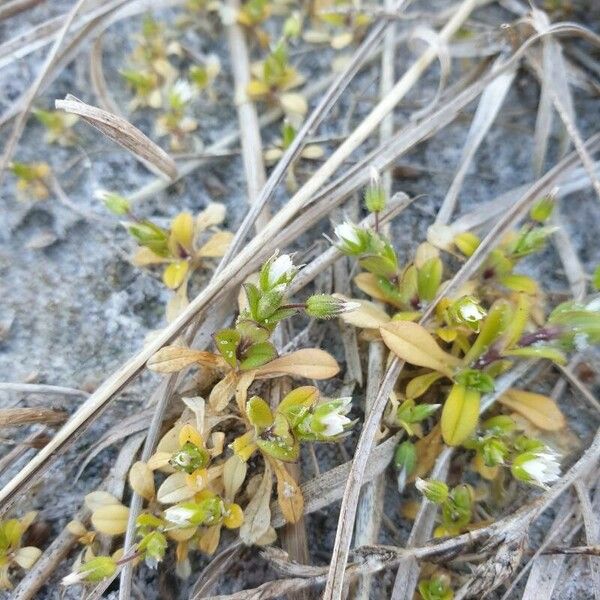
(324, 306)
(435, 491)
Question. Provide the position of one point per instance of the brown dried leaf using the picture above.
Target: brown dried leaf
(171, 359)
(257, 515)
(23, 416)
(310, 363)
(122, 132)
(217, 245)
(289, 495)
(223, 392)
(541, 410)
(234, 474)
(428, 449)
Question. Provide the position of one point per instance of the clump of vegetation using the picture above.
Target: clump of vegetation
(244, 411)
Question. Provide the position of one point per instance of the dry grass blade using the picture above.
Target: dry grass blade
(40, 388)
(24, 416)
(99, 81)
(489, 105)
(122, 132)
(14, 7)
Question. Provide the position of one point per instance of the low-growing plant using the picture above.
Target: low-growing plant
(202, 476)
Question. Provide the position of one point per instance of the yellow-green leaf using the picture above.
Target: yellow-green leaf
(175, 273)
(460, 414)
(417, 386)
(414, 344)
(182, 230)
(540, 410)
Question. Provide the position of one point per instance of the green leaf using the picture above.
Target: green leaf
(549, 352)
(417, 386)
(460, 414)
(252, 331)
(476, 380)
(258, 355)
(268, 303)
(429, 277)
(297, 403)
(259, 413)
(253, 296)
(150, 235)
(227, 341)
(492, 328)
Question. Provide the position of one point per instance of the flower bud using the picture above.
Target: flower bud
(375, 196)
(405, 460)
(539, 467)
(542, 209)
(324, 306)
(277, 271)
(93, 570)
(435, 491)
(326, 422)
(115, 203)
(494, 452)
(467, 243)
(352, 240)
(466, 311)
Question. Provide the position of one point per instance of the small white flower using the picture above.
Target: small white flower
(183, 90)
(280, 267)
(471, 312)
(421, 485)
(593, 305)
(179, 515)
(73, 578)
(347, 232)
(335, 421)
(543, 468)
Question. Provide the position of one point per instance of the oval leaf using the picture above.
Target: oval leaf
(540, 410)
(174, 489)
(460, 414)
(310, 363)
(111, 519)
(289, 495)
(414, 344)
(367, 316)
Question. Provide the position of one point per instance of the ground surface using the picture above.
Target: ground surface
(75, 310)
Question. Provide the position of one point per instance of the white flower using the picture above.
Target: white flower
(281, 267)
(73, 578)
(182, 90)
(336, 420)
(470, 311)
(179, 515)
(347, 232)
(542, 468)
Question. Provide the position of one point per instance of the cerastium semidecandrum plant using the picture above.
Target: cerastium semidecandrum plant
(201, 478)
(476, 334)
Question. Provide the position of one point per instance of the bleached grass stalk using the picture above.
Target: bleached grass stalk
(370, 508)
(131, 368)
